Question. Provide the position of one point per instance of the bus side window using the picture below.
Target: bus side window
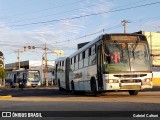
(83, 55)
(74, 59)
(95, 49)
(53, 73)
(89, 50)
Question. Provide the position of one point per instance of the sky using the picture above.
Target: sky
(62, 24)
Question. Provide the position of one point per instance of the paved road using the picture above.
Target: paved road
(50, 99)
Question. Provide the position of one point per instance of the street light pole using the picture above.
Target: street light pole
(18, 60)
(46, 65)
(42, 71)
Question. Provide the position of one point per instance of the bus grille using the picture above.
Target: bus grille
(131, 87)
(131, 81)
(33, 80)
(131, 75)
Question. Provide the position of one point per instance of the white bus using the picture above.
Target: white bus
(111, 62)
(30, 78)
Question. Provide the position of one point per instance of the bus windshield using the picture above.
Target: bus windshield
(126, 57)
(34, 75)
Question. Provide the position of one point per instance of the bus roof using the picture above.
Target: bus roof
(60, 59)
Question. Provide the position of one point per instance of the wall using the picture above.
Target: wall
(154, 43)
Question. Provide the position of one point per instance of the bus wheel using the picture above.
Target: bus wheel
(133, 92)
(94, 87)
(11, 85)
(59, 85)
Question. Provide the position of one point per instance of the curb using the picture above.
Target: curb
(5, 96)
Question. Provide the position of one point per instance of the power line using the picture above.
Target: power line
(75, 10)
(13, 45)
(44, 9)
(10, 45)
(82, 16)
(84, 36)
(58, 13)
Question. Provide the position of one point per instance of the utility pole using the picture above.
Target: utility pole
(18, 60)
(151, 47)
(124, 24)
(46, 65)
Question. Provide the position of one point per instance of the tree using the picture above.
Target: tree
(2, 75)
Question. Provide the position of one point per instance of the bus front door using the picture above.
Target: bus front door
(99, 68)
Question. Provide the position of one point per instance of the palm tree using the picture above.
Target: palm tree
(2, 75)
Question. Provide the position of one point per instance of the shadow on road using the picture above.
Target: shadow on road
(52, 92)
(16, 92)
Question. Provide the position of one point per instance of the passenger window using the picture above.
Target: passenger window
(83, 55)
(75, 59)
(86, 53)
(62, 63)
(93, 50)
(89, 51)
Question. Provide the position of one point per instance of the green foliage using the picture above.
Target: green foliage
(2, 73)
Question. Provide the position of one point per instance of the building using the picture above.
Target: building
(154, 44)
(35, 65)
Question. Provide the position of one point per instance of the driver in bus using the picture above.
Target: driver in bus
(107, 55)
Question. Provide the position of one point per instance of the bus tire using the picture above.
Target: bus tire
(11, 85)
(59, 86)
(94, 87)
(21, 85)
(133, 92)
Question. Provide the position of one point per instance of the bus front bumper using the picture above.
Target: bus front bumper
(127, 86)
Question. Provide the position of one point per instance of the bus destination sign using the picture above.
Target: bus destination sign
(124, 37)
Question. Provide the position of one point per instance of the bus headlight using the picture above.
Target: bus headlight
(28, 84)
(39, 83)
(111, 81)
(147, 80)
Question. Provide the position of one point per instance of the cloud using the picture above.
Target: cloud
(16, 39)
(61, 31)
